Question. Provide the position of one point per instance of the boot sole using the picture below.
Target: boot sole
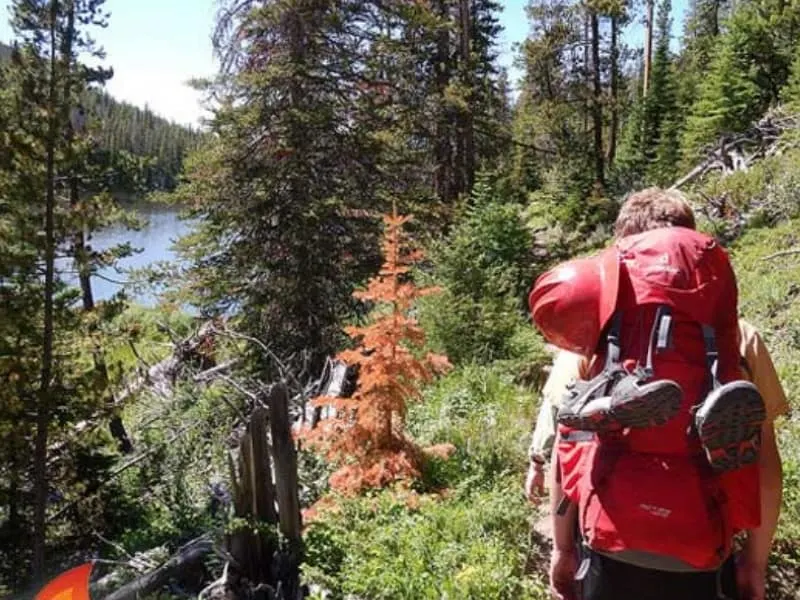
(653, 408)
(729, 425)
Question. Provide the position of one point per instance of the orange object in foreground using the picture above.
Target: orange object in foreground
(70, 585)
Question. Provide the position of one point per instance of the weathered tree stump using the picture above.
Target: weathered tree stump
(262, 558)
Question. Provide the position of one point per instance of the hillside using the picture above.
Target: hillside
(124, 127)
(120, 126)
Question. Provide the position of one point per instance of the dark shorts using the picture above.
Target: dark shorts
(609, 579)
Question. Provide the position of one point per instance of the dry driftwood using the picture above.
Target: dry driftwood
(782, 253)
(265, 493)
(187, 557)
(253, 499)
(739, 152)
(338, 380)
(285, 465)
(161, 377)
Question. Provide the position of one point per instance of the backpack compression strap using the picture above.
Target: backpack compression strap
(660, 338)
(612, 365)
(614, 350)
(712, 355)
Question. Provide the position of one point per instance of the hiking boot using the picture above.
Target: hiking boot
(589, 405)
(639, 405)
(729, 425)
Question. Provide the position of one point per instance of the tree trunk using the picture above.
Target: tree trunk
(187, 557)
(648, 47)
(443, 175)
(713, 19)
(614, 76)
(597, 103)
(79, 244)
(466, 125)
(14, 522)
(43, 412)
(80, 253)
(587, 28)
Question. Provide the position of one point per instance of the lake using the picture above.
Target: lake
(155, 239)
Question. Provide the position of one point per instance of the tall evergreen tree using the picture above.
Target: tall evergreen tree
(49, 187)
(663, 117)
(549, 124)
(727, 101)
(790, 95)
(278, 193)
(751, 63)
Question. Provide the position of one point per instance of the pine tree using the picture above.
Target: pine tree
(701, 30)
(282, 193)
(727, 102)
(790, 95)
(456, 97)
(663, 116)
(751, 63)
(50, 189)
(597, 100)
(548, 127)
(366, 438)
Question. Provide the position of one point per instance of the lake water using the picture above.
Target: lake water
(155, 239)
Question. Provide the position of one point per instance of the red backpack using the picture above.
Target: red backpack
(668, 304)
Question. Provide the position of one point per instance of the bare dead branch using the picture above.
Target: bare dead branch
(782, 253)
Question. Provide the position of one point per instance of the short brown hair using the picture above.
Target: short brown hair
(653, 208)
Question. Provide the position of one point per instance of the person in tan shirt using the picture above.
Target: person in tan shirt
(751, 563)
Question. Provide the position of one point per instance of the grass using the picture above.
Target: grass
(769, 289)
(464, 530)
(464, 533)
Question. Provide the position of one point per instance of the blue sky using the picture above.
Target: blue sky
(155, 46)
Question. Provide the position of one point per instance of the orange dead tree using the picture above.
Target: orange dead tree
(366, 437)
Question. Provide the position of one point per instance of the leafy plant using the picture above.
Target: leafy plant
(469, 538)
(485, 269)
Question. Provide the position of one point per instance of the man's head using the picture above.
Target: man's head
(653, 208)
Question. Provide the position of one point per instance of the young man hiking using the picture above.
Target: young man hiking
(631, 574)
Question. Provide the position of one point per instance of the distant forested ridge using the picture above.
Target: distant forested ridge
(120, 126)
(142, 133)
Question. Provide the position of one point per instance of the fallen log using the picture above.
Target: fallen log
(782, 253)
(186, 558)
(738, 153)
(214, 372)
(160, 378)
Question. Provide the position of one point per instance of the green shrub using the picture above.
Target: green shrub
(768, 292)
(470, 541)
(486, 417)
(488, 247)
(472, 545)
(467, 330)
(766, 194)
(484, 268)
